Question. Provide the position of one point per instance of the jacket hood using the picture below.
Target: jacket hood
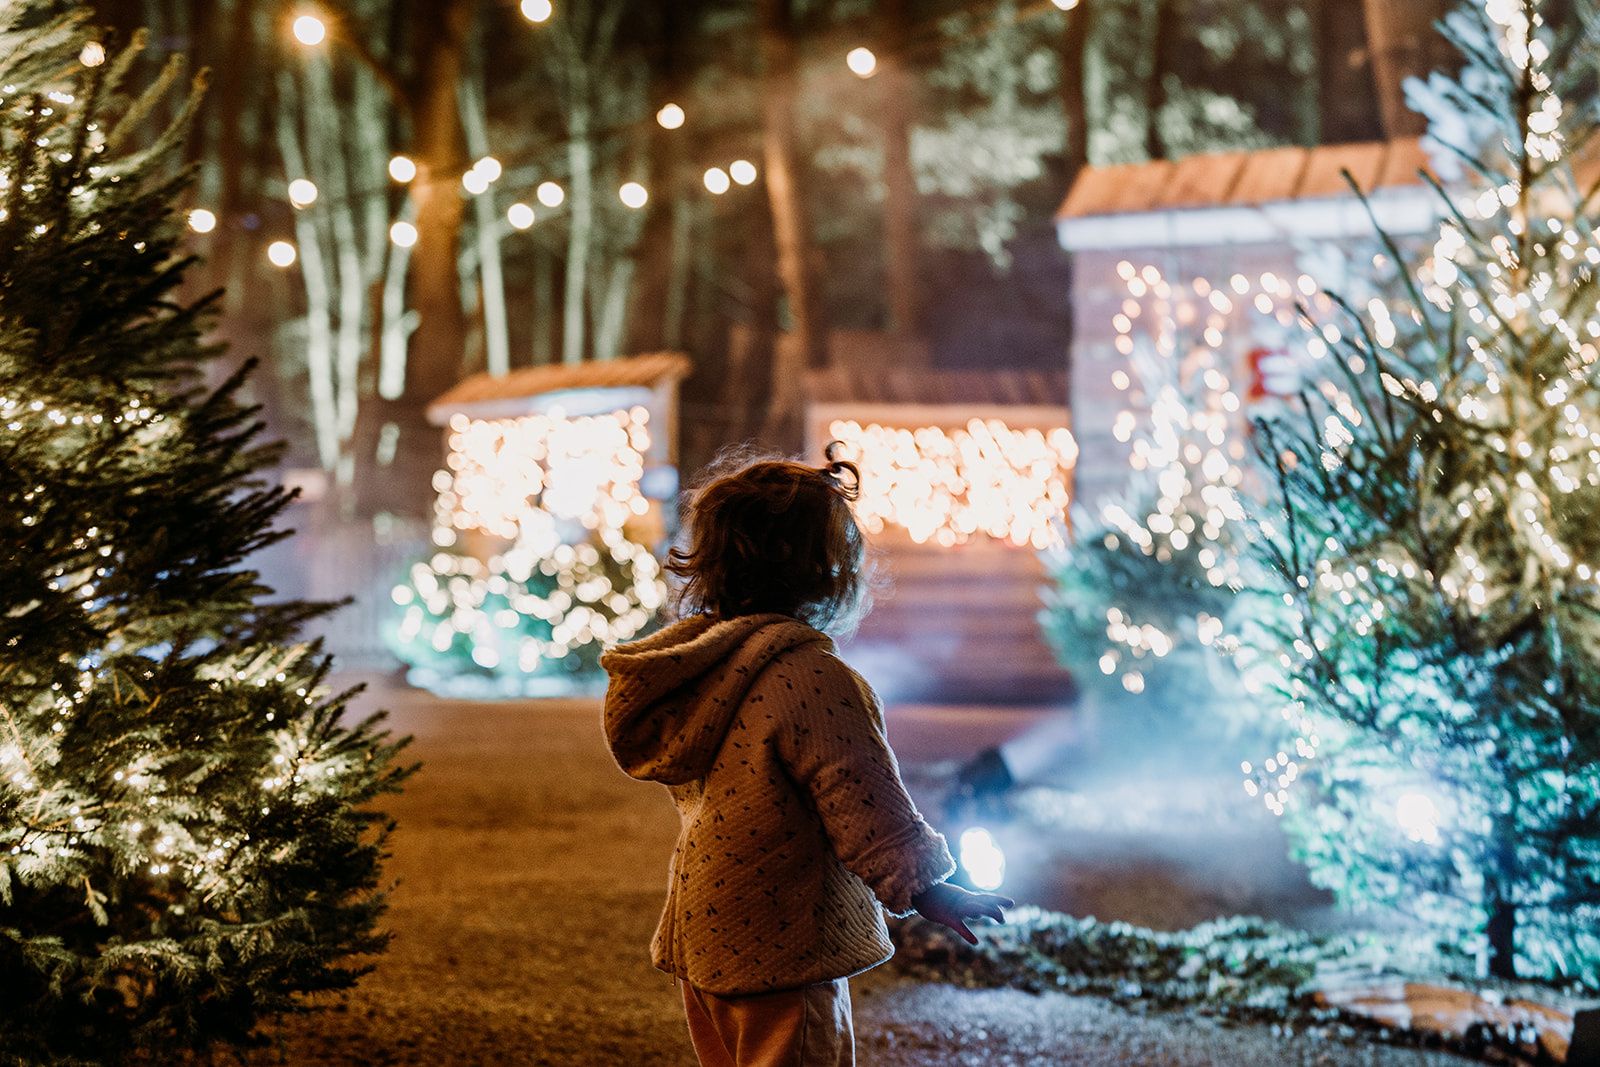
(672, 696)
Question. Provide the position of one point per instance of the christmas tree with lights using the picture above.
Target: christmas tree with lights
(185, 846)
(537, 564)
(1433, 613)
(1138, 597)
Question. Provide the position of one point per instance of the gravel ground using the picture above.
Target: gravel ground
(530, 873)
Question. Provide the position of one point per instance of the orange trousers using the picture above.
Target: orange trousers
(806, 1027)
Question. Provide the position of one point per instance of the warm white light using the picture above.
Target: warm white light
(520, 216)
(947, 487)
(861, 62)
(93, 54)
(670, 116)
(1065, 5)
(1418, 816)
(489, 167)
(982, 858)
(309, 30)
(403, 234)
(302, 192)
(717, 180)
(550, 194)
(474, 182)
(402, 169)
(633, 194)
(281, 254)
(742, 171)
(202, 221)
(537, 10)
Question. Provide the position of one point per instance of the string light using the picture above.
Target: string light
(403, 234)
(1065, 5)
(489, 167)
(93, 54)
(861, 61)
(670, 117)
(402, 169)
(302, 192)
(550, 194)
(950, 486)
(520, 216)
(633, 195)
(202, 221)
(309, 30)
(537, 10)
(717, 180)
(281, 254)
(474, 182)
(742, 171)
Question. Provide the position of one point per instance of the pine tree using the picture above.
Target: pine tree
(1432, 541)
(1138, 597)
(184, 847)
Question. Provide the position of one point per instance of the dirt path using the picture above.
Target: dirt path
(531, 872)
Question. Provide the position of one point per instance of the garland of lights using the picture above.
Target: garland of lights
(950, 486)
(558, 493)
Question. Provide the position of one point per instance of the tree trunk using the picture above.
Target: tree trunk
(1161, 13)
(899, 179)
(1346, 103)
(491, 279)
(434, 362)
(791, 227)
(580, 232)
(1074, 101)
(1403, 44)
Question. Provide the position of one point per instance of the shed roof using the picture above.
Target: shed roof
(1244, 179)
(645, 371)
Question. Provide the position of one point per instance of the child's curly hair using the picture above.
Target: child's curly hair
(773, 535)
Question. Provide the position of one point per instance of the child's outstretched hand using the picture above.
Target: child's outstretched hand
(950, 905)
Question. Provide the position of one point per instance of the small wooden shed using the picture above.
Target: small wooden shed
(965, 474)
(1152, 242)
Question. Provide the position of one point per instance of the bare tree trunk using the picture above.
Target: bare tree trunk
(1403, 44)
(679, 265)
(434, 363)
(796, 260)
(1345, 97)
(900, 182)
(580, 231)
(1161, 14)
(544, 304)
(1074, 101)
(496, 332)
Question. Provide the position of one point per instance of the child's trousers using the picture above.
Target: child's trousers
(806, 1027)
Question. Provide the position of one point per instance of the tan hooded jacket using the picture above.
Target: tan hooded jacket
(795, 821)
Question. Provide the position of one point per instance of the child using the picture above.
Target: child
(796, 826)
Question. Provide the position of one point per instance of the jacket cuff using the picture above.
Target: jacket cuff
(928, 863)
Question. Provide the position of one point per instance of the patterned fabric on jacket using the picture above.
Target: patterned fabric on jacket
(795, 821)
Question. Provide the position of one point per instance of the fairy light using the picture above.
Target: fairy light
(93, 54)
(520, 216)
(670, 117)
(861, 61)
(403, 234)
(633, 195)
(309, 30)
(537, 11)
(281, 254)
(717, 180)
(948, 487)
(202, 220)
(742, 171)
(489, 167)
(302, 192)
(550, 194)
(402, 168)
(474, 182)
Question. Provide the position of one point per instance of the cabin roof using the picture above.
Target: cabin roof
(646, 371)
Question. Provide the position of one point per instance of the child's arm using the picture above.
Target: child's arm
(833, 744)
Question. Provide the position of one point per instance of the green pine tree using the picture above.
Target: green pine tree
(1432, 538)
(184, 840)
